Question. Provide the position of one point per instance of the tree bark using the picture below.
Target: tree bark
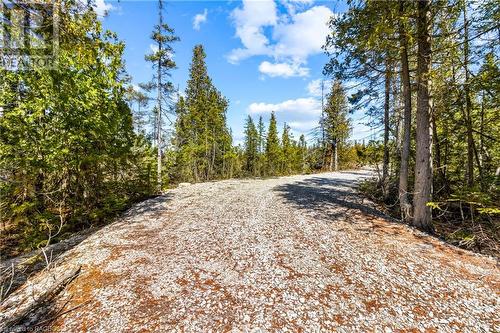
(405, 147)
(385, 166)
(336, 155)
(332, 153)
(437, 153)
(322, 123)
(423, 167)
(468, 104)
(158, 142)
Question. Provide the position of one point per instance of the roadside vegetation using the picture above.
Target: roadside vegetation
(79, 144)
(429, 73)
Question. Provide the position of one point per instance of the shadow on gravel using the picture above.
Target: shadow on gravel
(327, 197)
(151, 206)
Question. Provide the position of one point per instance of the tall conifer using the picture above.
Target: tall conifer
(273, 149)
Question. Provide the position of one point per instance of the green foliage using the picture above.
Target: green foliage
(489, 211)
(336, 122)
(203, 142)
(276, 157)
(288, 147)
(251, 147)
(273, 154)
(374, 40)
(68, 154)
(433, 205)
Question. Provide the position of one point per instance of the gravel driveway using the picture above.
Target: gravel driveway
(300, 253)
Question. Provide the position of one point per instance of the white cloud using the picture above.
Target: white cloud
(153, 47)
(314, 87)
(303, 126)
(295, 36)
(304, 107)
(250, 22)
(304, 35)
(293, 5)
(198, 19)
(283, 69)
(102, 8)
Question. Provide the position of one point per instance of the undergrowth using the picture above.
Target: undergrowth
(467, 219)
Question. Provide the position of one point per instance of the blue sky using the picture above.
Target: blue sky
(262, 55)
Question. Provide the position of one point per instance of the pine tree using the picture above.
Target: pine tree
(262, 135)
(262, 145)
(66, 139)
(137, 102)
(288, 151)
(163, 63)
(444, 47)
(336, 123)
(423, 163)
(204, 142)
(251, 147)
(273, 148)
(405, 205)
(302, 146)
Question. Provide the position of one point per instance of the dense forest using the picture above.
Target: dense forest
(429, 71)
(79, 143)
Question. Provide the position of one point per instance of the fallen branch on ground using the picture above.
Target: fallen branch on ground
(29, 306)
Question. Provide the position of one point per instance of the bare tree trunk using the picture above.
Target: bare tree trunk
(398, 121)
(158, 130)
(437, 153)
(405, 147)
(446, 154)
(423, 167)
(330, 167)
(468, 106)
(480, 161)
(336, 155)
(479, 166)
(323, 140)
(212, 163)
(385, 166)
(481, 130)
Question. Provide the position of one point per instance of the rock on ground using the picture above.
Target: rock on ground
(300, 253)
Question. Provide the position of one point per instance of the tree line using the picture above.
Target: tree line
(428, 71)
(79, 143)
(200, 147)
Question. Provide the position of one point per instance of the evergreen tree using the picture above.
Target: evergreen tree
(204, 142)
(162, 63)
(441, 51)
(137, 102)
(405, 205)
(262, 145)
(84, 163)
(262, 135)
(302, 161)
(423, 162)
(273, 148)
(251, 147)
(336, 123)
(288, 151)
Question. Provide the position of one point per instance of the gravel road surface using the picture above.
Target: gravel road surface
(299, 253)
